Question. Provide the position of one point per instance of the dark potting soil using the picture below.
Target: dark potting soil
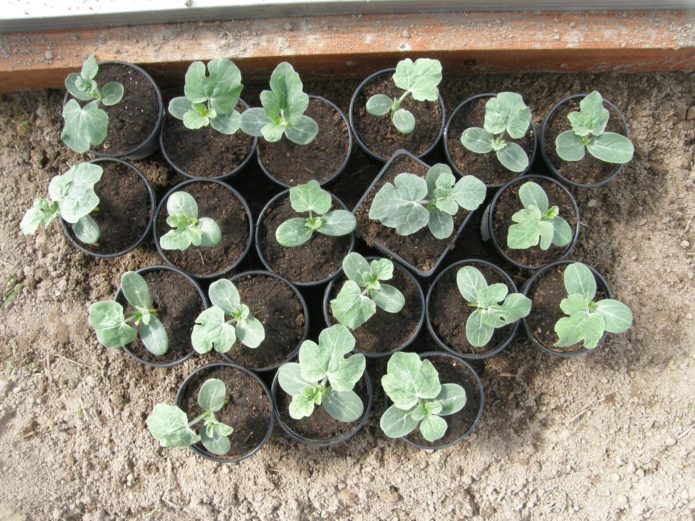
(314, 260)
(134, 118)
(218, 203)
(248, 410)
(508, 204)
(420, 249)
(485, 167)
(378, 132)
(297, 164)
(178, 304)
(280, 311)
(449, 312)
(588, 170)
(124, 209)
(204, 152)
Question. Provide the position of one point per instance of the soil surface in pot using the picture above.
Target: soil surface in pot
(124, 209)
(297, 164)
(378, 132)
(420, 249)
(588, 170)
(133, 119)
(248, 411)
(508, 204)
(314, 260)
(280, 311)
(218, 203)
(449, 312)
(178, 304)
(205, 152)
(485, 167)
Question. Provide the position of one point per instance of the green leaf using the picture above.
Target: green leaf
(223, 87)
(107, 319)
(477, 140)
(310, 197)
(478, 332)
(74, 191)
(344, 406)
(469, 192)
(287, 85)
(250, 332)
(345, 376)
(193, 120)
(224, 295)
(452, 399)
(470, 282)
(617, 316)
(337, 223)
(210, 233)
(388, 298)
(408, 379)
(356, 268)
(179, 106)
(112, 93)
(579, 279)
(89, 68)
(86, 230)
(272, 132)
(381, 269)
(253, 121)
(399, 205)
(581, 327)
(516, 306)
(175, 240)
(338, 341)
(302, 405)
(76, 86)
(526, 232)
(169, 426)
(574, 303)
(41, 213)
(211, 331)
(611, 148)
(350, 307)
(194, 87)
(492, 294)
(226, 124)
(291, 380)
(218, 444)
(83, 126)
(569, 146)
(562, 232)
(513, 157)
(404, 121)
(154, 336)
(314, 361)
(439, 176)
(211, 395)
(421, 78)
(396, 423)
(591, 118)
(433, 427)
(440, 224)
(182, 203)
(379, 105)
(293, 232)
(135, 290)
(531, 194)
(546, 231)
(507, 112)
(302, 130)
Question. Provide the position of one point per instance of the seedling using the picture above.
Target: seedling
(87, 125)
(325, 377)
(227, 321)
(419, 399)
(169, 425)
(588, 320)
(537, 224)
(312, 199)
(488, 313)
(505, 115)
(210, 98)
(72, 197)
(188, 228)
(364, 291)
(589, 133)
(112, 327)
(283, 110)
(418, 79)
(413, 202)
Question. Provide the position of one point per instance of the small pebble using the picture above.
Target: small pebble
(669, 442)
(593, 203)
(48, 55)
(685, 244)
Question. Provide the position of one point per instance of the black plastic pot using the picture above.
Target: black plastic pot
(446, 140)
(227, 175)
(202, 296)
(198, 448)
(275, 388)
(490, 211)
(351, 115)
(145, 235)
(551, 166)
(305, 309)
(249, 217)
(335, 174)
(409, 341)
(601, 285)
(493, 350)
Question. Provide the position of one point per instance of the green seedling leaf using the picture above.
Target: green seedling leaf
(404, 121)
(41, 214)
(379, 105)
(452, 398)
(569, 146)
(87, 230)
(169, 426)
(154, 336)
(344, 406)
(433, 427)
(108, 321)
(135, 290)
(211, 396)
(396, 423)
(310, 197)
(83, 126)
(409, 379)
(187, 228)
(74, 191)
(592, 117)
(611, 148)
(477, 140)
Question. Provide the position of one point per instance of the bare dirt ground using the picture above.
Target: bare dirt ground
(607, 437)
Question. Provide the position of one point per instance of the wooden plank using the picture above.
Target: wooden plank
(350, 46)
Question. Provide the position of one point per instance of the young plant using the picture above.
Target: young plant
(418, 79)
(71, 196)
(493, 306)
(413, 202)
(505, 115)
(187, 227)
(112, 327)
(169, 425)
(588, 133)
(536, 223)
(418, 398)
(312, 199)
(86, 126)
(325, 377)
(210, 98)
(227, 321)
(364, 291)
(283, 110)
(588, 320)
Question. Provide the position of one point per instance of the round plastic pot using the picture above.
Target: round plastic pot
(351, 115)
(490, 212)
(460, 107)
(275, 388)
(226, 176)
(551, 166)
(601, 284)
(335, 174)
(202, 296)
(145, 235)
(305, 310)
(409, 340)
(491, 351)
(198, 448)
(162, 207)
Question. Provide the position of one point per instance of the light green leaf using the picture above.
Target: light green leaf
(74, 191)
(154, 336)
(348, 372)
(293, 232)
(516, 306)
(112, 93)
(440, 224)
(452, 399)
(310, 197)
(273, 133)
(193, 120)
(179, 106)
(399, 205)
(194, 87)
(86, 230)
(135, 290)
(574, 303)
(546, 231)
(83, 126)
(344, 406)
(338, 340)
(581, 327)
(41, 213)
(78, 87)
(314, 361)
(492, 294)
(302, 130)
(175, 240)
(526, 232)
(409, 379)
(592, 116)
(569, 146)
(226, 124)
(579, 279)
(218, 444)
(439, 175)
(291, 380)
(223, 87)
(89, 68)
(469, 192)
(507, 112)
(404, 121)
(388, 298)
(470, 282)
(562, 232)
(356, 267)
(211, 395)
(513, 157)
(169, 426)
(211, 331)
(107, 319)
(611, 148)
(381, 269)
(478, 332)
(531, 194)
(433, 427)
(302, 405)
(617, 316)
(379, 105)
(350, 307)
(250, 332)
(396, 423)
(337, 223)
(224, 295)
(421, 78)
(210, 233)
(182, 203)
(477, 140)
(253, 120)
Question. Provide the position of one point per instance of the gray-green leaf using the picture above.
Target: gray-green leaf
(135, 290)
(212, 395)
(344, 406)
(611, 148)
(513, 157)
(86, 230)
(379, 105)
(396, 423)
(83, 126)
(579, 279)
(169, 426)
(477, 140)
(404, 121)
(154, 336)
(433, 427)
(421, 78)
